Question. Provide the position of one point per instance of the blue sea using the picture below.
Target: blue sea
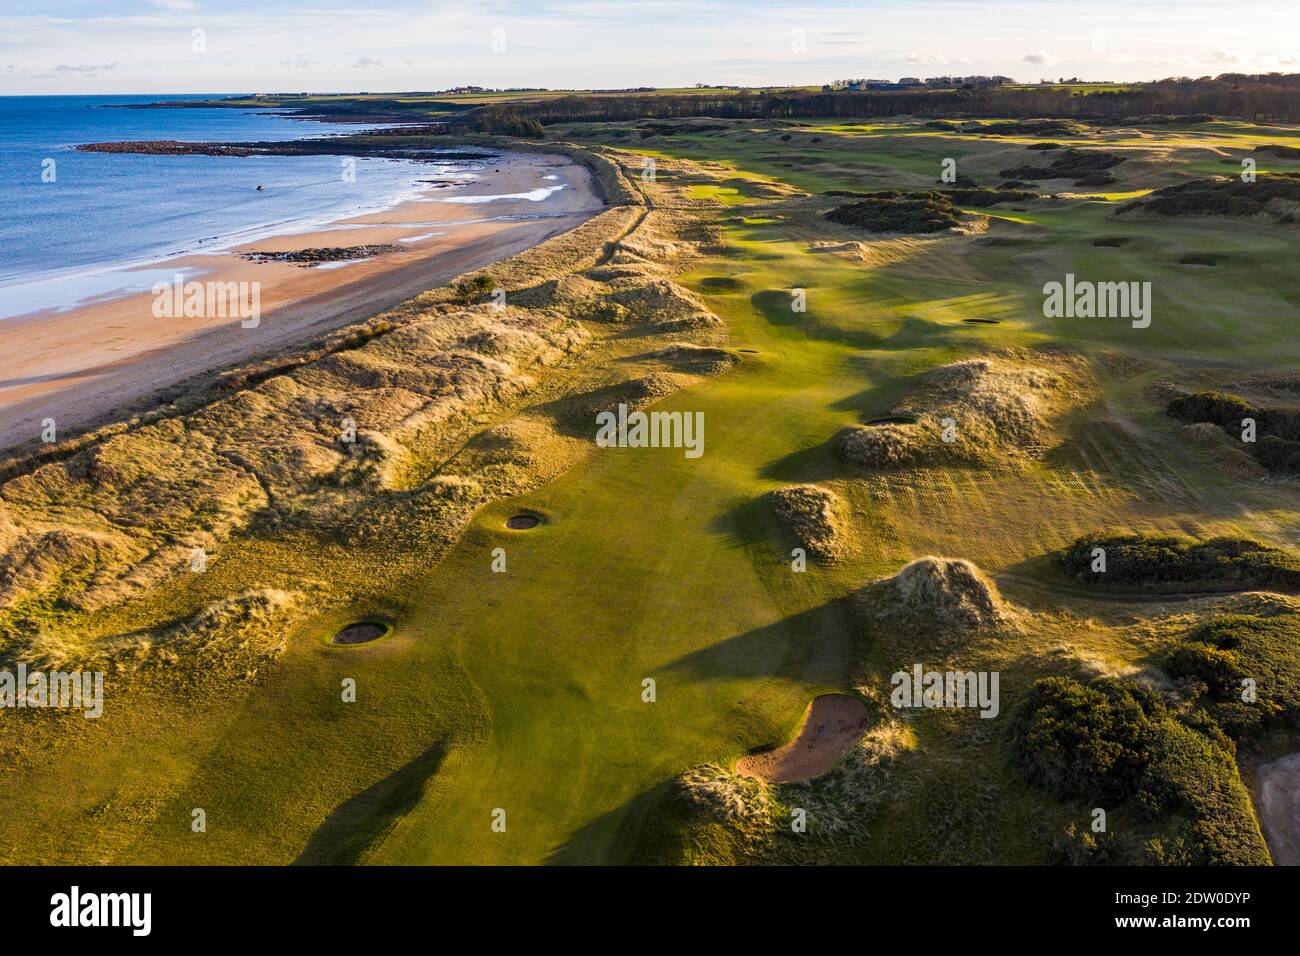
(102, 211)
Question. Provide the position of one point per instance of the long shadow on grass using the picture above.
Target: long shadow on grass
(811, 646)
(631, 834)
(774, 305)
(361, 823)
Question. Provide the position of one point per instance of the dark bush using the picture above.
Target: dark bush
(1220, 408)
(1117, 740)
(1230, 649)
(1150, 561)
(1278, 454)
(1220, 197)
(1072, 164)
(1283, 152)
(892, 211)
(1277, 429)
(984, 196)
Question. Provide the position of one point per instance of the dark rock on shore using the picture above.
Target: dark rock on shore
(311, 257)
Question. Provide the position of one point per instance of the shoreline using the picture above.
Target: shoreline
(87, 365)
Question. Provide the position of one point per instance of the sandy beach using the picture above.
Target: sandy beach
(89, 364)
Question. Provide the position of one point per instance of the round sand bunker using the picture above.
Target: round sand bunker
(361, 633)
(832, 724)
(523, 522)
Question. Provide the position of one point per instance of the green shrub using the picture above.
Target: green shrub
(1216, 668)
(1278, 454)
(1072, 164)
(1230, 649)
(1220, 408)
(1277, 445)
(893, 211)
(1073, 739)
(983, 196)
(1167, 562)
(472, 290)
(1116, 740)
(1220, 197)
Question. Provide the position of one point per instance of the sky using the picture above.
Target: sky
(249, 46)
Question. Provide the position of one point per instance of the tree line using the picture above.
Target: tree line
(1272, 97)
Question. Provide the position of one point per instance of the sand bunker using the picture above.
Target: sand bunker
(1278, 800)
(832, 724)
(361, 633)
(523, 522)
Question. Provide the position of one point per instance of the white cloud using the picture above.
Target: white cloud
(175, 6)
(1233, 57)
(937, 59)
(366, 62)
(1041, 58)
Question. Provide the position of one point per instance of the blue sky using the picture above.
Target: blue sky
(151, 46)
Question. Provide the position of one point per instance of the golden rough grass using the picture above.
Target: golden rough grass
(938, 596)
(125, 510)
(1000, 407)
(813, 516)
(230, 639)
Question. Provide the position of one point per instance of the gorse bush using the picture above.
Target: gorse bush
(1087, 166)
(1277, 445)
(472, 290)
(1220, 408)
(1222, 197)
(1073, 739)
(894, 211)
(1243, 656)
(1152, 561)
(1116, 740)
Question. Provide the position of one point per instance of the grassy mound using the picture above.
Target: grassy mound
(938, 595)
(999, 408)
(230, 639)
(1181, 564)
(1117, 740)
(664, 304)
(811, 515)
(701, 359)
(722, 795)
(1269, 197)
(893, 211)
